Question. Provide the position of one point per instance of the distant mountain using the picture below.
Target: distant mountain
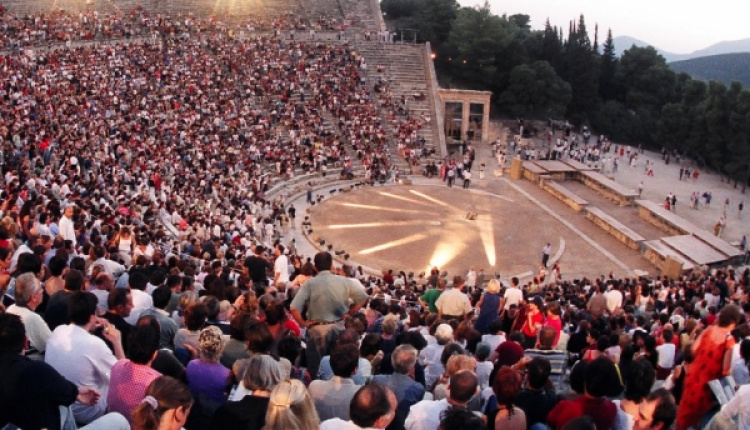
(623, 43)
(722, 68)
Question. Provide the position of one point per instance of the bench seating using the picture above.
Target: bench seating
(533, 172)
(614, 227)
(657, 252)
(608, 188)
(565, 195)
(695, 249)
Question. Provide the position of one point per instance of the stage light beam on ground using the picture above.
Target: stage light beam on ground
(406, 199)
(487, 235)
(445, 252)
(426, 197)
(388, 245)
(381, 208)
(377, 224)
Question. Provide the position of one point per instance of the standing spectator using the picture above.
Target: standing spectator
(713, 352)
(546, 251)
(489, 307)
(326, 297)
(67, 230)
(453, 303)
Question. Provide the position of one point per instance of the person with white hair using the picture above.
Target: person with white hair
(429, 357)
(29, 295)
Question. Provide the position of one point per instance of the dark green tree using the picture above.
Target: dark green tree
(608, 86)
(582, 72)
(478, 36)
(535, 91)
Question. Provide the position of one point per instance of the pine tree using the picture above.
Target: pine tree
(607, 82)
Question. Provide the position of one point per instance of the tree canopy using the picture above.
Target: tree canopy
(543, 74)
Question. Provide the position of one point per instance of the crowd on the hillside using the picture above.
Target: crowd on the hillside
(22, 31)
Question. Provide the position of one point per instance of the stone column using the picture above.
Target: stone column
(465, 119)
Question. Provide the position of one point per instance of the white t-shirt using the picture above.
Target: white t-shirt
(281, 267)
(513, 296)
(666, 355)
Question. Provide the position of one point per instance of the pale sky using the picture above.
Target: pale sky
(676, 26)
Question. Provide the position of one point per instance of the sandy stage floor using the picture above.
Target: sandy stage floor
(417, 227)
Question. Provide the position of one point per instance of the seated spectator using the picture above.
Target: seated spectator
(83, 358)
(458, 418)
(545, 349)
(161, 298)
(408, 391)
(165, 362)
(33, 394)
(740, 370)
(235, 348)
(332, 397)
(206, 377)
(290, 349)
(506, 386)
(600, 380)
(484, 366)
(658, 411)
(167, 405)
(261, 376)
(195, 319)
(258, 340)
(119, 303)
(291, 408)
(508, 353)
(536, 399)
(57, 308)
(336, 339)
(495, 336)
(638, 382)
(29, 295)
(130, 377)
(429, 357)
(425, 415)
(456, 361)
(666, 355)
(372, 407)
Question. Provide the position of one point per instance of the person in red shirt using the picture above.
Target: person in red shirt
(600, 379)
(534, 320)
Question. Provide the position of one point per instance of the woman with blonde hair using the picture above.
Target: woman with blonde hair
(291, 408)
(489, 307)
(166, 406)
(206, 377)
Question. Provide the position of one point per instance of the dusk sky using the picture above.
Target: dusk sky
(675, 26)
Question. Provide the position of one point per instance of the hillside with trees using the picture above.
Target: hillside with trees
(635, 98)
